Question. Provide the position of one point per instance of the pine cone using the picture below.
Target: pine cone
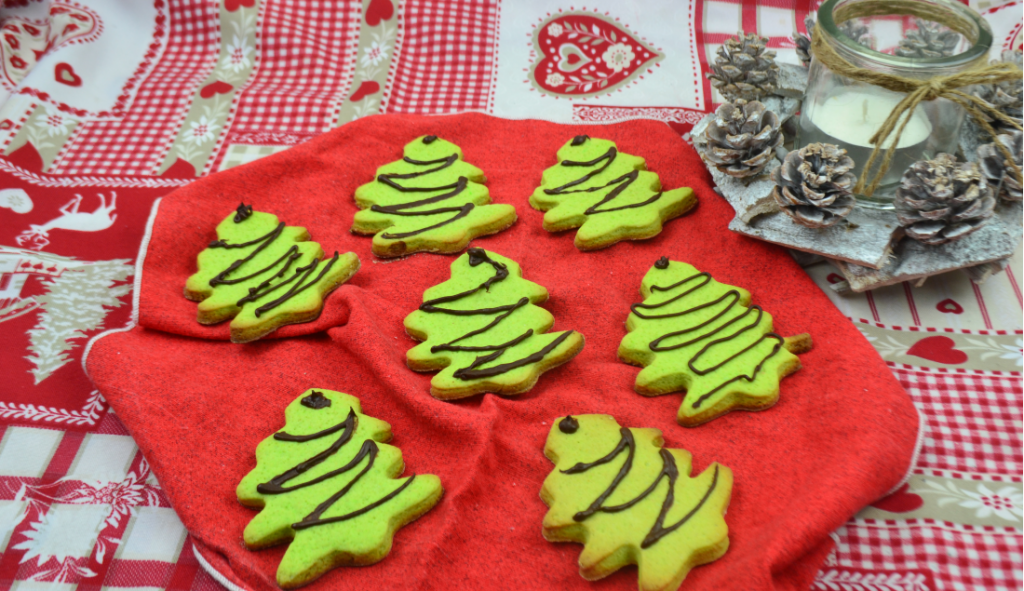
(928, 40)
(997, 170)
(1007, 97)
(856, 29)
(743, 69)
(803, 42)
(942, 200)
(741, 140)
(814, 185)
(853, 28)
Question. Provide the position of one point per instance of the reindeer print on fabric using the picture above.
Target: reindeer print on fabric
(37, 236)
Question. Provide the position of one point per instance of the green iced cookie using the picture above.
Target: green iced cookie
(264, 275)
(630, 501)
(329, 485)
(609, 195)
(429, 201)
(693, 333)
(483, 331)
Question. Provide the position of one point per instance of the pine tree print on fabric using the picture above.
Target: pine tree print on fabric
(630, 501)
(75, 304)
(483, 330)
(429, 201)
(264, 275)
(327, 485)
(609, 195)
(693, 333)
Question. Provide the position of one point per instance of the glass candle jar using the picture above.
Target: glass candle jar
(845, 112)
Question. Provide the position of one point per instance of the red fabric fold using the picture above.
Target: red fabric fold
(842, 434)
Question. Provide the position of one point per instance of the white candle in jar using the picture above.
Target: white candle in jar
(853, 116)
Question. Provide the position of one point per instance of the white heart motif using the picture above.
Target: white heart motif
(570, 49)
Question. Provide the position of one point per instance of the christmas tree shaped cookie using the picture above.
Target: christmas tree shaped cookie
(429, 201)
(695, 334)
(610, 196)
(483, 331)
(329, 487)
(630, 501)
(264, 274)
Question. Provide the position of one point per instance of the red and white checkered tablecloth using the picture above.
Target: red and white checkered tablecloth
(106, 105)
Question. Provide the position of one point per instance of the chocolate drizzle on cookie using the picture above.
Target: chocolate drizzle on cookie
(369, 450)
(242, 213)
(580, 140)
(474, 371)
(316, 400)
(668, 470)
(568, 425)
(621, 183)
(730, 299)
(404, 209)
(661, 263)
(299, 281)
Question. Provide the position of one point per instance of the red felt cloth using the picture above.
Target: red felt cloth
(842, 434)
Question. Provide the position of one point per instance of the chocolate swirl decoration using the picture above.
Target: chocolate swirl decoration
(403, 209)
(316, 401)
(621, 183)
(668, 470)
(369, 449)
(242, 213)
(569, 425)
(732, 297)
(297, 282)
(478, 256)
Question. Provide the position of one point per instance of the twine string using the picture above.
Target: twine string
(917, 91)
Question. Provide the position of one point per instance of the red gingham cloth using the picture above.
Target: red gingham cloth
(79, 506)
(128, 146)
(973, 421)
(446, 56)
(301, 74)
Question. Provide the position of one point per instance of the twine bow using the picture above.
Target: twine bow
(917, 91)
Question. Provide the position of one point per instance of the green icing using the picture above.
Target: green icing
(363, 539)
(502, 326)
(606, 223)
(638, 483)
(286, 264)
(445, 225)
(717, 332)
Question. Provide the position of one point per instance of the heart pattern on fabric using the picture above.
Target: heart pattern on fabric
(65, 74)
(572, 58)
(581, 54)
(365, 89)
(939, 350)
(233, 5)
(949, 306)
(901, 501)
(214, 88)
(378, 11)
(25, 42)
